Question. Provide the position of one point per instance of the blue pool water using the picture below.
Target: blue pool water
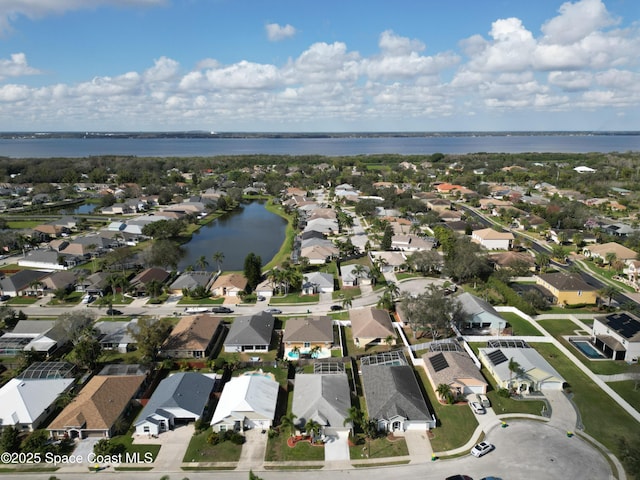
(588, 349)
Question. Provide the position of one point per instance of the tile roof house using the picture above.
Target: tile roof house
(535, 372)
(617, 335)
(393, 396)
(98, 406)
(456, 369)
(194, 336)
(250, 333)
(568, 289)
(324, 398)
(26, 403)
(306, 334)
(371, 326)
(247, 401)
(181, 397)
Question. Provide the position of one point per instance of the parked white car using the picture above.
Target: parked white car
(483, 400)
(482, 449)
(477, 408)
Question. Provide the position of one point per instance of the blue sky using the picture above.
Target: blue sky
(303, 65)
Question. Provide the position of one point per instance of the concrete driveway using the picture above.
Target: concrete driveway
(336, 449)
(253, 450)
(174, 446)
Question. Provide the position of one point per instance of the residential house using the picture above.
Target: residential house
(412, 243)
(42, 336)
(26, 403)
(250, 333)
(389, 261)
(479, 315)
(438, 204)
(533, 373)
(617, 335)
(319, 254)
(140, 283)
(94, 284)
(194, 336)
(605, 250)
(229, 285)
(117, 335)
(178, 399)
(454, 367)
(317, 282)
(492, 239)
(355, 275)
(190, 280)
(48, 260)
(371, 326)
(324, 398)
(512, 259)
(247, 402)
(59, 281)
(24, 282)
(102, 401)
(393, 397)
(265, 289)
(310, 336)
(568, 289)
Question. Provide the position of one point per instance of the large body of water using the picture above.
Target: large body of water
(335, 146)
(252, 228)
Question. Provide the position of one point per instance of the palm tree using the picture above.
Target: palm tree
(610, 257)
(444, 391)
(202, 263)
(218, 257)
(347, 302)
(389, 340)
(288, 421)
(608, 292)
(392, 289)
(315, 351)
(355, 416)
(514, 367)
(154, 288)
(312, 428)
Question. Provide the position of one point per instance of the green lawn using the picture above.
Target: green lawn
(279, 451)
(379, 448)
(456, 423)
(201, 301)
(629, 390)
(603, 418)
(348, 292)
(520, 326)
(558, 328)
(200, 451)
(294, 298)
(22, 300)
(287, 246)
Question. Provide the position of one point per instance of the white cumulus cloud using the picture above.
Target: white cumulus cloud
(276, 33)
(16, 66)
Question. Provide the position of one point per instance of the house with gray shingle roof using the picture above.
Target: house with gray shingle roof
(324, 398)
(478, 314)
(394, 398)
(191, 280)
(181, 398)
(307, 333)
(250, 333)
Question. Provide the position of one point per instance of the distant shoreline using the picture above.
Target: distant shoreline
(301, 135)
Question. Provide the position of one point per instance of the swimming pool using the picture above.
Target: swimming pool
(587, 349)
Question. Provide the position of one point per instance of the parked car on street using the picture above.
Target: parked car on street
(113, 311)
(482, 449)
(221, 310)
(336, 308)
(273, 310)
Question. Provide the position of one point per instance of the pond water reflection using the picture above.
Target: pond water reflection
(251, 228)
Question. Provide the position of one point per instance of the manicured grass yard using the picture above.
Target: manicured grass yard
(279, 451)
(627, 390)
(603, 419)
(294, 298)
(200, 451)
(456, 423)
(520, 326)
(379, 448)
(127, 441)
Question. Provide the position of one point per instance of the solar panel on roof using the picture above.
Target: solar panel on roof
(507, 343)
(497, 357)
(438, 362)
(624, 324)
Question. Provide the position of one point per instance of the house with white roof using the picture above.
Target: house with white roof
(26, 403)
(492, 239)
(246, 402)
(532, 372)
